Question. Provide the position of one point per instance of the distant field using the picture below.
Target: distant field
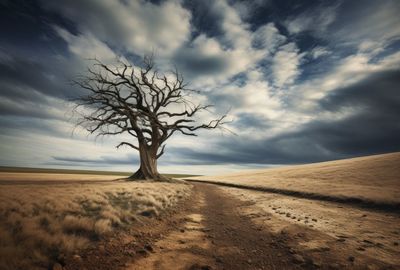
(371, 178)
(7, 172)
(64, 171)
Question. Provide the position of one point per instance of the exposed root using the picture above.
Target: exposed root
(140, 176)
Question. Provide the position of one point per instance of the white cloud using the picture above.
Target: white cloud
(133, 25)
(254, 96)
(347, 72)
(285, 66)
(86, 46)
(268, 37)
(207, 63)
(319, 51)
(236, 32)
(211, 61)
(257, 99)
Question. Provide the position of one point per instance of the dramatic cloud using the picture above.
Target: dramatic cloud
(302, 82)
(373, 21)
(135, 26)
(315, 20)
(286, 64)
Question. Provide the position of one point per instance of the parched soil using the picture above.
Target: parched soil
(214, 229)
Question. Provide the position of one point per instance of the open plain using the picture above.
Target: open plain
(285, 218)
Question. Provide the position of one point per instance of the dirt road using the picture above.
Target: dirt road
(216, 236)
(216, 230)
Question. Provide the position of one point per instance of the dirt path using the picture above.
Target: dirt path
(216, 236)
(214, 229)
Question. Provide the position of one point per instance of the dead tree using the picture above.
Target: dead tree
(141, 102)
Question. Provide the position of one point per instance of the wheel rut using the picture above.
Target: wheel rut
(216, 236)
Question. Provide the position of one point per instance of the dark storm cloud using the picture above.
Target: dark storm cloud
(286, 149)
(207, 19)
(16, 124)
(43, 77)
(26, 27)
(373, 128)
(124, 160)
(357, 135)
(32, 91)
(377, 95)
(189, 156)
(25, 109)
(194, 64)
(33, 70)
(249, 120)
(77, 160)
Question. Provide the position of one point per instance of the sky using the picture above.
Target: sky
(303, 81)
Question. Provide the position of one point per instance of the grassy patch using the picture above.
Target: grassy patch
(40, 222)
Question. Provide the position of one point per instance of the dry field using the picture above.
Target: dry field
(327, 229)
(45, 218)
(238, 229)
(26, 177)
(337, 230)
(372, 178)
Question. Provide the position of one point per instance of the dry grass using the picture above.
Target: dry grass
(40, 222)
(372, 178)
(52, 177)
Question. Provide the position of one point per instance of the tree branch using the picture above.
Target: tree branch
(129, 144)
(139, 101)
(161, 152)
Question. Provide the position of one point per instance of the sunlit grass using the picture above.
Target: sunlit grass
(40, 222)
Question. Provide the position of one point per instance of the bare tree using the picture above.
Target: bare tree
(141, 102)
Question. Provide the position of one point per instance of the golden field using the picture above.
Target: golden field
(371, 178)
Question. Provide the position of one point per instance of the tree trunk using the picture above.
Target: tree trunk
(148, 165)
